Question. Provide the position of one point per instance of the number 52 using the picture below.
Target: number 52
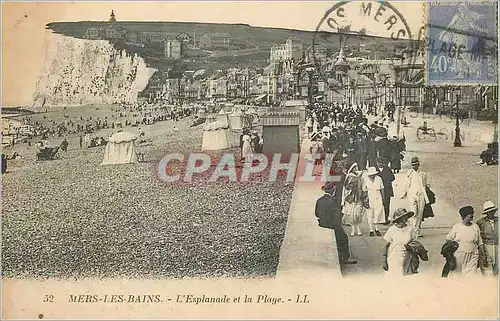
(48, 298)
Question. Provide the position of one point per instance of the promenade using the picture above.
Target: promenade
(307, 249)
(456, 180)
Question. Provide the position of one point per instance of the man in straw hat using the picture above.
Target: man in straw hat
(375, 212)
(489, 234)
(328, 212)
(415, 190)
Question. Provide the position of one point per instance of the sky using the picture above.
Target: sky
(24, 34)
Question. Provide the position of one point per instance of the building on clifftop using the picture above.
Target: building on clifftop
(112, 18)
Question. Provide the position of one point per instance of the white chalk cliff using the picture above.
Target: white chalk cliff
(79, 71)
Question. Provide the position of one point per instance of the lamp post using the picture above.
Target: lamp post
(400, 108)
(309, 87)
(458, 141)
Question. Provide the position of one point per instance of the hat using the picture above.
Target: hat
(352, 167)
(381, 132)
(488, 207)
(414, 160)
(466, 210)
(329, 187)
(401, 213)
(371, 171)
(314, 135)
(326, 129)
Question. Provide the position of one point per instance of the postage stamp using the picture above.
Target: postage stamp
(462, 47)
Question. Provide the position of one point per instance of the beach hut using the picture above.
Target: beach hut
(215, 136)
(239, 120)
(236, 119)
(223, 117)
(296, 106)
(120, 149)
(281, 133)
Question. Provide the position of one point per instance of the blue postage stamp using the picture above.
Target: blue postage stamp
(462, 46)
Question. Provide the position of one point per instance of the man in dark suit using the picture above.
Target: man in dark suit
(387, 177)
(328, 212)
(4, 163)
(383, 145)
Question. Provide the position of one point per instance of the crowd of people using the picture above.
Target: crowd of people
(469, 248)
(367, 161)
(251, 142)
(344, 131)
(125, 115)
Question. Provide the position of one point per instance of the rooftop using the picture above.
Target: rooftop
(280, 119)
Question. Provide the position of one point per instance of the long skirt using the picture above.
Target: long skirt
(375, 215)
(467, 264)
(246, 150)
(353, 213)
(395, 260)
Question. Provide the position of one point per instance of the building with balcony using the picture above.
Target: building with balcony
(316, 53)
(237, 83)
(160, 36)
(172, 90)
(153, 36)
(115, 32)
(173, 49)
(184, 38)
(217, 85)
(291, 49)
(92, 33)
(215, 40)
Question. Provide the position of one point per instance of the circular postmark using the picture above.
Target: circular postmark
(376, 24)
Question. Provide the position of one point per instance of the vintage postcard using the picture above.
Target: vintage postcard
(250, 160)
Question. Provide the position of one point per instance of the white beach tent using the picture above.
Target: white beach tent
(223, 117)
(239, 120)
(215, 136)
(120, 149)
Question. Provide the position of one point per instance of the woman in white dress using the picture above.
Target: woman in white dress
(315, 125)
(246, 150)
(470, 245)
(309, 125)
(375, 213)
(397, 237)
(316, 150)
(352, 199)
